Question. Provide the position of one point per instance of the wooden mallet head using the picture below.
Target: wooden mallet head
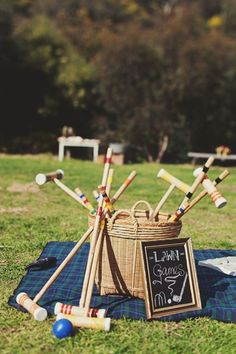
(44, 178)
(215, 195)
(173, 180)
(39, 313)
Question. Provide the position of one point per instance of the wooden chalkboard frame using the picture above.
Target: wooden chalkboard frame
(185, 244)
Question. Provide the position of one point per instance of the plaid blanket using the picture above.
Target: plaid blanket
(218, 291)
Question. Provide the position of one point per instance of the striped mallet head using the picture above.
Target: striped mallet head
(166, 176)
(215, 195)
(41, 178)
(38, 312)
(78, 311)
(102, 324)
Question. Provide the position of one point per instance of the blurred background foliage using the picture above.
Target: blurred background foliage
(130, 71)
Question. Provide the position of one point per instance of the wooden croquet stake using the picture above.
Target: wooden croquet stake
(109, 181)
(179, 213)
(96, 228)
(122, 188)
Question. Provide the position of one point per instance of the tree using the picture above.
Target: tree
(208, 83)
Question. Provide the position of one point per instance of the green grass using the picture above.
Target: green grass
(52, 215)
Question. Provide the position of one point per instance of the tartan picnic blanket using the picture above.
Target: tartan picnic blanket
(217, 290)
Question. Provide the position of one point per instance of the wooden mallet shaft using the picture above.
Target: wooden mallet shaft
(63, 264)
(55, 177)
(96, 228)
(109, 181)
(162, 201)
(69, 192)
(123, 187)
(94, 237)
(93, 271)
(85, 201)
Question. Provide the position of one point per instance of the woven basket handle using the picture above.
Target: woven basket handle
(124, 211)
(141, 202)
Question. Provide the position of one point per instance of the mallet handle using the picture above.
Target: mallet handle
(63, 264)
(94, 237)
(109, 181)
(123, 187)
(96, 228)
(93, 271)
(162, 201)
(69, 192)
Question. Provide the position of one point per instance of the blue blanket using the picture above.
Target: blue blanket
(218, 291)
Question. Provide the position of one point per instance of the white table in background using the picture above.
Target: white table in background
(204, 155)
(77, 141)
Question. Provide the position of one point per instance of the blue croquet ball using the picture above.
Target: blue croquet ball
(62, 328)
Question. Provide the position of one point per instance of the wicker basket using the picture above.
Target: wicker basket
(119, 268)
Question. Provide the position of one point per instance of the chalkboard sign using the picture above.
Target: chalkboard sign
(169, 274)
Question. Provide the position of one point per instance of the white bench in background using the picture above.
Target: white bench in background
(203, 155)
(77, 141)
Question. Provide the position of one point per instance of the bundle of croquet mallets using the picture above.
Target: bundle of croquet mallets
(83, 316)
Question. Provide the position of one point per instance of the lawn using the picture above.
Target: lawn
(30, 217)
